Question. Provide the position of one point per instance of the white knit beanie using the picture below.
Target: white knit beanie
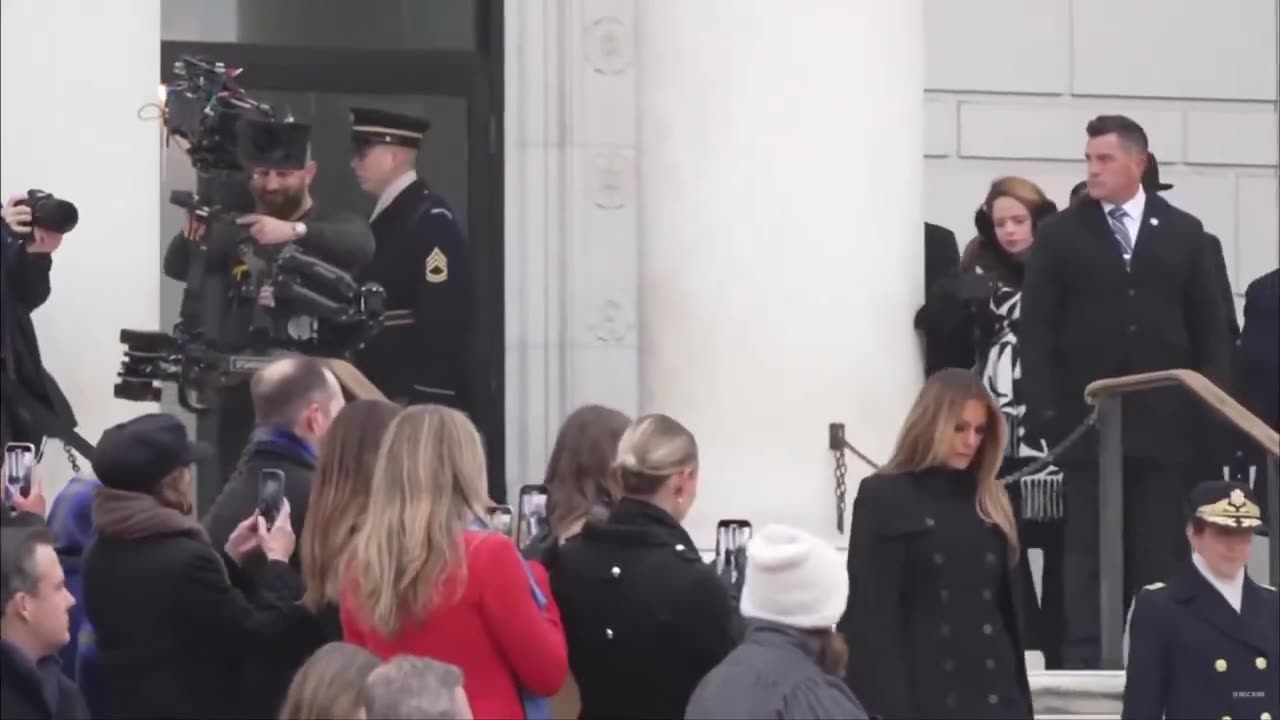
(794, 579)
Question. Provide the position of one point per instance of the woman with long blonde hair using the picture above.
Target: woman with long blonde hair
(426, 577)
(932, 623)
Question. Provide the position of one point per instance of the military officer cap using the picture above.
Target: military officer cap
(1230, 505)
(370, 126)
(272, 144)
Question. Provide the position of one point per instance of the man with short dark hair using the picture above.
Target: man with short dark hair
(1121, 282)
(34, 627)
(416, 688)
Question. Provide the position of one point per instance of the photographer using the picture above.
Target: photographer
(276, 155)
(32, 405)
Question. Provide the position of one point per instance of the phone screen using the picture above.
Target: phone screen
(19, 459)
(730, 536)
(270, 494)
(500, 517)
(532, 513)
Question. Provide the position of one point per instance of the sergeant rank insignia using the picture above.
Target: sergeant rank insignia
(437, 267)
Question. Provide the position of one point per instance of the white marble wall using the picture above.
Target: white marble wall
(571, 223)
(1010, 85)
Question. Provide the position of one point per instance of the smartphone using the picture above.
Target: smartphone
(19, 459)
(500, 519)
(532, 517)
(731, 535)
(270, 494)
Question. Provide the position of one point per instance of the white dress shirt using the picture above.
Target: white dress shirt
(1133, 217)
(1232, 590)
(395, 188)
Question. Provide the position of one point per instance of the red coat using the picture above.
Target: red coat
(494, 632)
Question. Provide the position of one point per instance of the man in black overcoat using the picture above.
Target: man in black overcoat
(1121, 282)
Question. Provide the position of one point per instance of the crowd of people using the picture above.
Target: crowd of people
(380, 586)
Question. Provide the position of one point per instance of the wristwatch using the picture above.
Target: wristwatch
(299, 230)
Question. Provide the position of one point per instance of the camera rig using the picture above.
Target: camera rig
(318, 309)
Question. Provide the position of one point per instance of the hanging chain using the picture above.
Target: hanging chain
(71, 458)
(1049, 457)
(842, 488)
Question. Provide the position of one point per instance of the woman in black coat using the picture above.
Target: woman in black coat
(171, 629)
(933, 623)
(645, 618)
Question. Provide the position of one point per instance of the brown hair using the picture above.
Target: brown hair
(340, 494)
(429, 484)
(652, 449)
(984, 251)
(833, 651)
(923, 440)
(580, 472)
(330, 684)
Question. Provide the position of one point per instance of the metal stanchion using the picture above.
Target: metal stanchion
(1111, 532)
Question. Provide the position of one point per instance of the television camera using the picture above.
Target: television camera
(318, 309)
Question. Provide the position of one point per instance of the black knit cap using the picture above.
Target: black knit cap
(137, 454)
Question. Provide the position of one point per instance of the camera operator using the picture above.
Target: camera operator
(285, 214)
(32, 405)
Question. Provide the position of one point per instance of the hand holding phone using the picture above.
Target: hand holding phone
(270, 494)
(731, 545)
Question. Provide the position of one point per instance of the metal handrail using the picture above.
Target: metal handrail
(1107, 394)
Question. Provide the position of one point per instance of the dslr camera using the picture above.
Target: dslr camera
(49, 212)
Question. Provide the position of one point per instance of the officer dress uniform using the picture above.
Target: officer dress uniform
(1191, 653)
(422, 261)
(645, 618)
(933, 621)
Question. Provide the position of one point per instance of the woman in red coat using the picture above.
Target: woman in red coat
(425, 580)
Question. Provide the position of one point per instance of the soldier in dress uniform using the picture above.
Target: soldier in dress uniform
(422, 261)
(1207, 645)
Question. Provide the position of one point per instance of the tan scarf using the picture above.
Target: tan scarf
(122, 515)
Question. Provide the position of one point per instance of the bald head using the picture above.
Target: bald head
(288, 391)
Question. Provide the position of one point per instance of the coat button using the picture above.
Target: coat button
(951, 701)
(615, 571)
(945, 594)
(991, 664)
(993, 699)
(1264, 716)
(1261, 663)
(991, 558)
(949, 665)
(1133, 329)
(680, 547)
(928, 522)
(937, 558)
(608, 633)
(945, 630)
(986, 594)
(1220, 665)
(986, 629)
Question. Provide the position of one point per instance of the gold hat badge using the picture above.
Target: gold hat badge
(1233, 511)
(437, 266)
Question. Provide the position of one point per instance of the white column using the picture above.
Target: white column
(781, 241)
(73, 77)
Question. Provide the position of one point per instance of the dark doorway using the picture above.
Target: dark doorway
(459, 90)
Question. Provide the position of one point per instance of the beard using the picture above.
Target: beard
(280, 204)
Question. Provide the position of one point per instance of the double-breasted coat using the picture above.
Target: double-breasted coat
(1191, 655)
(933, 620)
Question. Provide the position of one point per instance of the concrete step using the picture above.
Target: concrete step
(1076, 693)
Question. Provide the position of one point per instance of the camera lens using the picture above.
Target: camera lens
(54, 214)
